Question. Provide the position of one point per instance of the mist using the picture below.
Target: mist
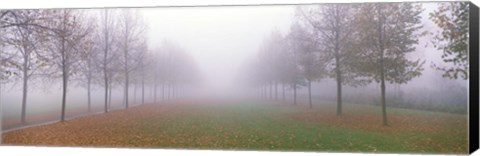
(220, 42)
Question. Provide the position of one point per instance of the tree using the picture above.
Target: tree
(332, 25)
(294, 39)
(87, 64)
(452, 39)
(67, 41)
(388, 32)
(131, 32)
(106, 39)
(29, 57)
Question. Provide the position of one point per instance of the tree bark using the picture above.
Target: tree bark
(271, 91)
(25, 89)
(89, 82)
(134, 93)
(105, 54)
(276, 91)
(163, 91)
(143, 86)
(338, 73)
(126, 81)
(283, 92)
(89, 95)
(382, 66)
(64, 94)
(295, 94)
(169, 90)
(310, 93)
(110, 95)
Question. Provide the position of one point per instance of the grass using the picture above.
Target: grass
(246, 125)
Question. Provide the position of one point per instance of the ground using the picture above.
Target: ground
(247, 125)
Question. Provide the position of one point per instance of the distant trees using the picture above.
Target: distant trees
(175, 70)
(307, 55)
(296, 40)
(130, 41)
(272, 62)
(107, 48)
(452, 39)
(67, 45)
(353, 44)
(106, 38)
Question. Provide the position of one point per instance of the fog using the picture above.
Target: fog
(222, 41)
(219, 38)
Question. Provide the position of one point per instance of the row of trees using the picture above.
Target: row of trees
(357, 44)
(98, 47)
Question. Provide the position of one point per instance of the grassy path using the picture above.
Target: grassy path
(242, 125)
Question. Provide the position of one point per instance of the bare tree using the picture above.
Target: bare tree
(105, 39)
(131, 32)
(26, 40)
(68, 39)
(294, 40)
(332, 25)
(87, 63)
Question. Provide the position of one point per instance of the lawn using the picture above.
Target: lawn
(247, 125)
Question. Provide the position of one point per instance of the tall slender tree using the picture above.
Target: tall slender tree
(30, 56)
(67, 45)
(131, 31)
(332, 25)
(389, 31)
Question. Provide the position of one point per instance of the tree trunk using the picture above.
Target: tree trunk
(123, 97)
(310, 93)
(271, 91)
(264, 92)
(25, 90)
(89, 95)
(339, 89)
(294, 93)
(105, 54)
(173, 91)
(169, 90)
(64, 94)
(106, 91)
(384, 105)
(65, 70)
(134, 93)
(110, 96)
(155, 91)
(283, 92)
(126, 87)
(143, 87)
(276, 91)
(338, 73)
(382, 70)
(89, 82)
(163, 91)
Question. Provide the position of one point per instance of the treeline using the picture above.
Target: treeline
(356, 45)
(106, 48)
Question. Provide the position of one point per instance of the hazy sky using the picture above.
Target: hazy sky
(220, 39)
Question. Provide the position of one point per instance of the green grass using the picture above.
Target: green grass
(268, 127)
(244, 125)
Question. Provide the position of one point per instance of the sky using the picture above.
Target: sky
(220, 39)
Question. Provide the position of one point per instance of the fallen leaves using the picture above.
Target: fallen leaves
(215, 125)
